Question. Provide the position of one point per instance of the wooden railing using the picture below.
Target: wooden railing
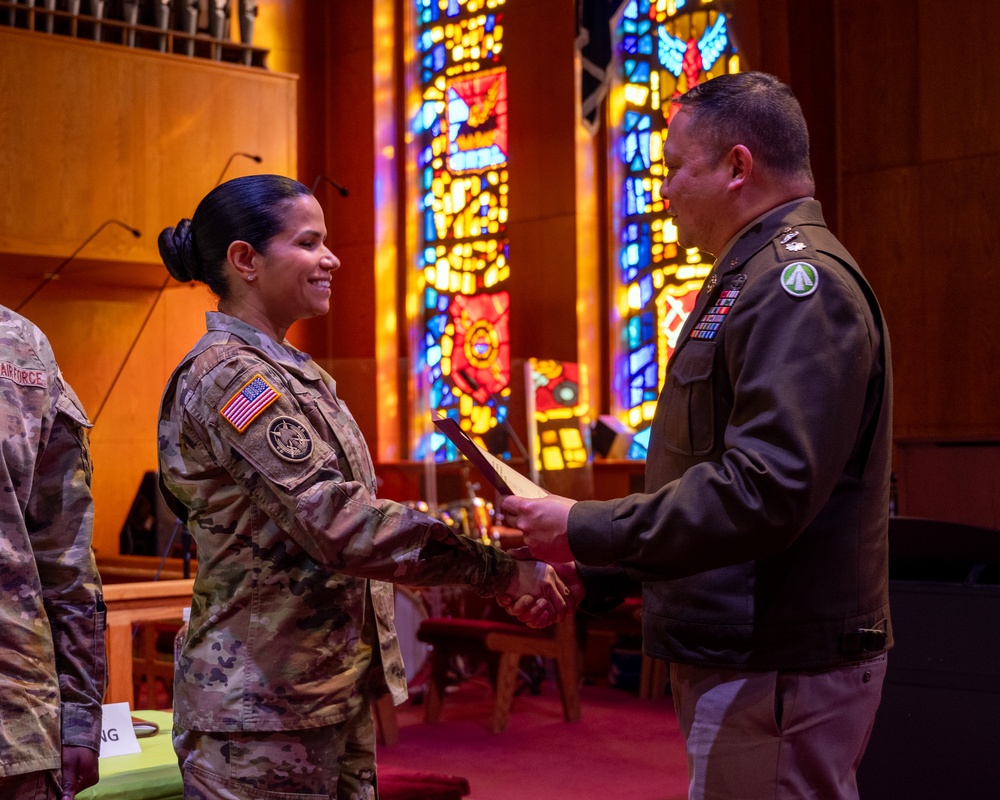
(116, 31)
(130, 603)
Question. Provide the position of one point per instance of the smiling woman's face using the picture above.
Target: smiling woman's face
(293, 276)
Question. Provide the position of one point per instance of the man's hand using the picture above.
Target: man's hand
(79, 770)
(543, 522)
(543, 597)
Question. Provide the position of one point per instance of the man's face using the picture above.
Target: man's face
(695, 185)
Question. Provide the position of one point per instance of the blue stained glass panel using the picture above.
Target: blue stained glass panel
(634, 329)
(630, 144)
(648, 325)
(645, 288)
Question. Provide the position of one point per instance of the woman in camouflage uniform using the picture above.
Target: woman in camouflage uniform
(291, 631)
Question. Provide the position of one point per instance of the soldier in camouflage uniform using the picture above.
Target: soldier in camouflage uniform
(52, 658)
(291, 632)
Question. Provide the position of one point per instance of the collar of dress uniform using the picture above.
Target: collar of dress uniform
(758, 231)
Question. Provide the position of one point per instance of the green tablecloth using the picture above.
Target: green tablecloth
(152, 774)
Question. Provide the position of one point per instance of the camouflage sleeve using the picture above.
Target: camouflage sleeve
(295, 476)
(60, 516)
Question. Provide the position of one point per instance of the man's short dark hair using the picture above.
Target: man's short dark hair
(753, 109)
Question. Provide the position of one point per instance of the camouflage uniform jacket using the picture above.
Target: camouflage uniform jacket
(291, 621)
(52, 658)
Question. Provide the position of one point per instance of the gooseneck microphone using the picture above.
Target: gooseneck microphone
(54, 275)
(342, 189)
(251, 156)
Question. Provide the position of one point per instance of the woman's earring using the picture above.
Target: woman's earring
(251, 277)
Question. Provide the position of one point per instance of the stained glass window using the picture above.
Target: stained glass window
(662, 49)
(462, 353)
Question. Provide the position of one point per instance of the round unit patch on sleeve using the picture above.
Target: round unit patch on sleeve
(289, 438)
(800, 279)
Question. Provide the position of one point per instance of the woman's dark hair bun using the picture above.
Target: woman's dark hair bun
(176, 247)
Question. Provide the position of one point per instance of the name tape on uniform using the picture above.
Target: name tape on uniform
(22, 376)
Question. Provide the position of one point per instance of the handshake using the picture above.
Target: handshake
(541, 593)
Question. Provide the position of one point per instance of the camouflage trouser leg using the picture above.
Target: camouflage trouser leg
(42, 785)
(336, 761)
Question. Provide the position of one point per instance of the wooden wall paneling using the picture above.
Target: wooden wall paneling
(958, 75)
(881, 212)
(279, 27)
(543, 288)
(812, 54)
(542, 91)
(958, 482)
(338, 130)
(91, 131)
(124, 439)
(960, 251)
(919, 146)
(92, 328)
(879, 81)
(920, 207)
(760, 28)
(66, 163)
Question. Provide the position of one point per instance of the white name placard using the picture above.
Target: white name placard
(117, 735)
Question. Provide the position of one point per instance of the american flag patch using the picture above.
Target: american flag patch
(248, 403)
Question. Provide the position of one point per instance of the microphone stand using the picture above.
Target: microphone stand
(251, 156)
(51, 276)
(342, 189)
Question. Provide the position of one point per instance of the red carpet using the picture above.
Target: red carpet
(621, 747)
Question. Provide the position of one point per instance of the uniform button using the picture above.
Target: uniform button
(866, 677)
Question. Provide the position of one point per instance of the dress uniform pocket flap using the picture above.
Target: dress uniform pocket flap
(694, 364)
(685, 422)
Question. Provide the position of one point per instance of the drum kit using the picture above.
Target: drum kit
(472, 518)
